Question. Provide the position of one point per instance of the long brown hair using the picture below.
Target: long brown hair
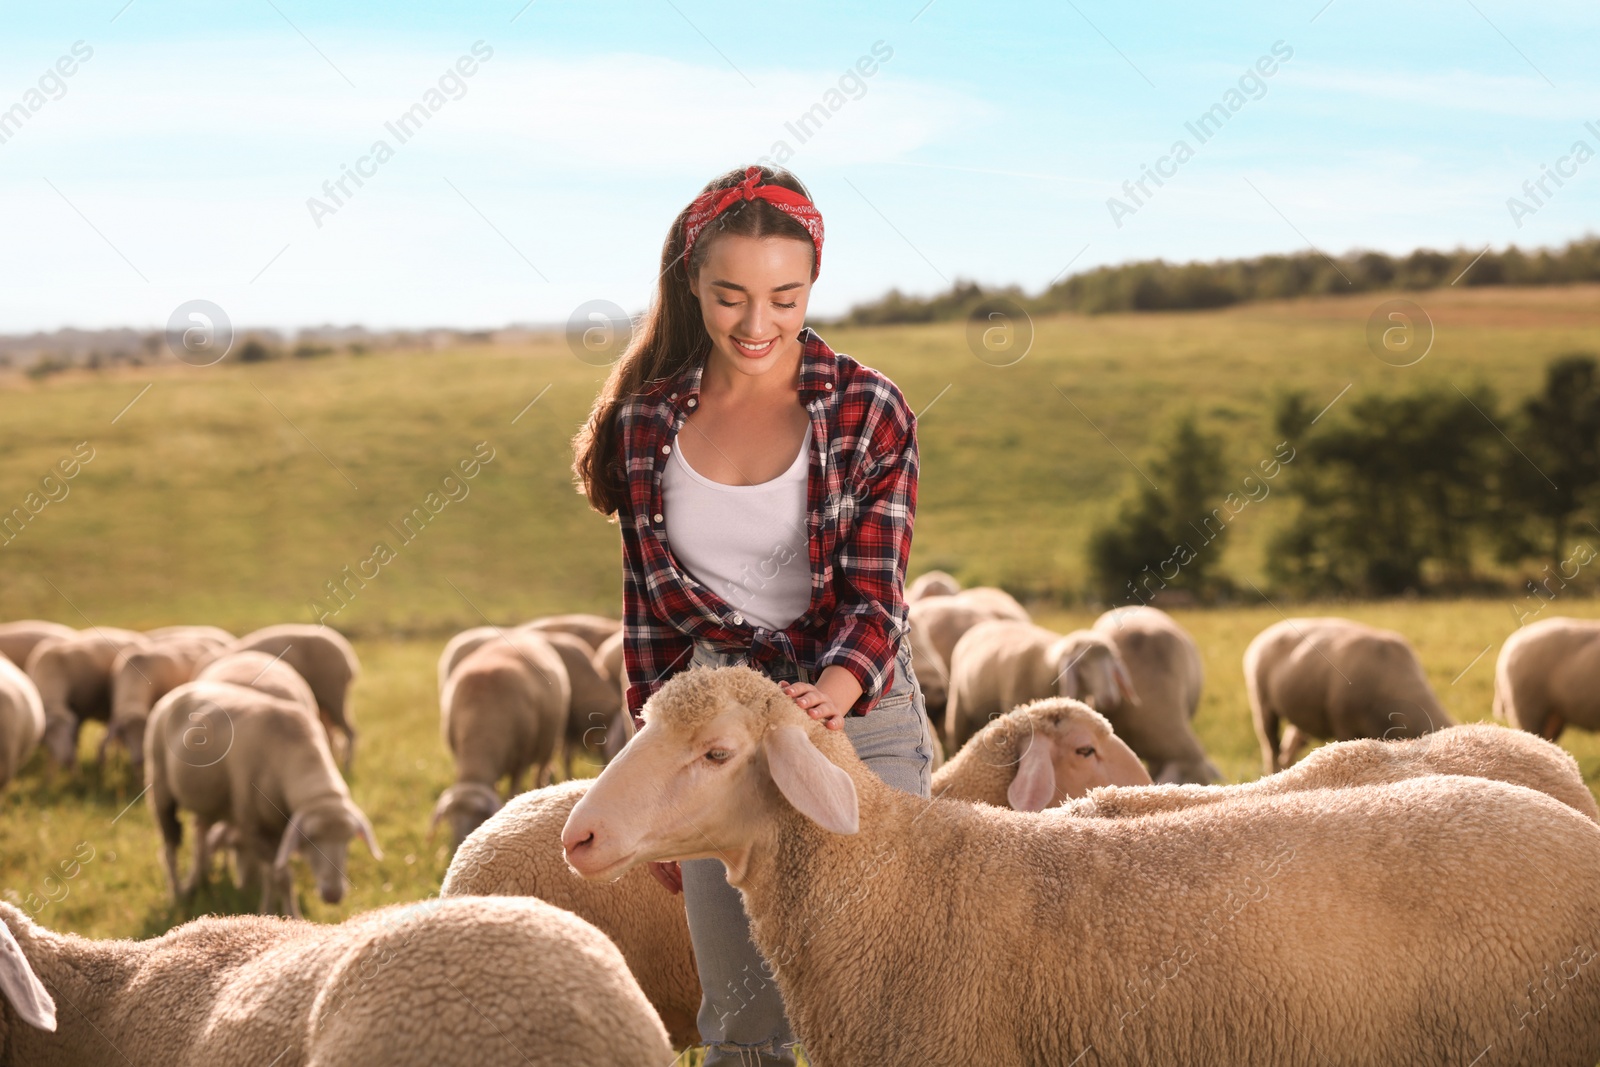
(671, 335)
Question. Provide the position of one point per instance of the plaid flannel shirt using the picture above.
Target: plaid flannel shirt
(861, 503)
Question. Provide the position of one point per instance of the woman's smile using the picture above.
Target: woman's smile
(754, 350)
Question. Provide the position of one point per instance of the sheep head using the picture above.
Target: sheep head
(321, 833)
(1069, 749)
(1089, 668)
(468, 806)
(722, 751)
(60, 738)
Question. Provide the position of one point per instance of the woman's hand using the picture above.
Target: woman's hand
(827, 701)
(668, 874)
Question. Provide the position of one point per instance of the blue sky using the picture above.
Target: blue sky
(177, 161)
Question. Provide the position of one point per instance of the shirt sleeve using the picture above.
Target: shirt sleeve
(871, 618)
(652, 650)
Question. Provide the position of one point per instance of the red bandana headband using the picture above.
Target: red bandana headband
(709, 205)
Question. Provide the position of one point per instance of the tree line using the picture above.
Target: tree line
(1429, 491)
(1156, 285)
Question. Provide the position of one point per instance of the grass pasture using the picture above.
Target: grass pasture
(235, 494)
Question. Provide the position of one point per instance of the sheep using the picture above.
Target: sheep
(1035, 756)
(933, 674)
(73, 675)
(1283, 929)
(1338, 679)
(1164, 664)
(595, 699)
(232, 754)
(932, 583)
(502, 712)
(593, 629)
(143, 674)
(21, 719)
(1001, 663)
(1477, 750)
(1546, 677)
(498, 982)
(460, 647)
(946, 618)
(324, 659)
(518, 853)
(19, 639)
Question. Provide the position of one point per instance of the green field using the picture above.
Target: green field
(231, 494)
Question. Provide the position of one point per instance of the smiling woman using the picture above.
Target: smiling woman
(765, 486)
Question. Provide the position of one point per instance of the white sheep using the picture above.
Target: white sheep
(1002, 663)
(1547, 675)
(503, 712)
(19, 639)
(595, 698)
(1037, 755)
(1283, 929)
(491, 982)
(1477, 750)
(1336, 679)
(593, 629)
(73, 675)
(324, 659)
(518, 853)
(460, 647)
(21, 719)
(944, 619)
(1164, 663)
(269, 674)
(932, 583)
(235, 755)
(143, 674)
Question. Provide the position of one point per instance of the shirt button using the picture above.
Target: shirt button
(827, 385)
(692, 401)
(674, 396)
(657, 516)
(666, 450)
(738, 620)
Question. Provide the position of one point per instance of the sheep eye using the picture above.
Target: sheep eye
(1086, 751)
(718, 755)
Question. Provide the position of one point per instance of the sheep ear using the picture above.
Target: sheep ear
(23, 991)
(364, 828)
(1123, 682)
(818, 790)
(1035, 783)
(439, 811)
(291, 835)
(1068, 680)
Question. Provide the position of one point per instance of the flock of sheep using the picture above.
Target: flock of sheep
(1077, 883)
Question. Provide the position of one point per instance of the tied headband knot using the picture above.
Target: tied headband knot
(708, 205)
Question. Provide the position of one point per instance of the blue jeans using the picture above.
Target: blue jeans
(741, 1011)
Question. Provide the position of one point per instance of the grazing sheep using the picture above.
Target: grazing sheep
(518, 853)
(232, 754)
(932, 583)
(269, 674)
(19, 639)
(502, 712)
(1164, 663)
(324, 659)
(73, 675)
(1477, 750)
(1336, 679)
(492, 982)
(1035, 756)
(1002, 663)
(143, 674)
(1548, 675)
(945, 618)
(593, 629)
(1283, 929)
(21, 719)
(594, 701)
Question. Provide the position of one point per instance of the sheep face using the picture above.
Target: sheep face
(1089, 669)
(704, 778)
(322, 835)
(467, 805)
(130, 733)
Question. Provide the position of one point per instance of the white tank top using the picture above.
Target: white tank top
(747, 543)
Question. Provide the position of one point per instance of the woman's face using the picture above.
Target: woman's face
(753, 293)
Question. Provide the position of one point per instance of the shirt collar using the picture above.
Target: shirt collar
(818, 372)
